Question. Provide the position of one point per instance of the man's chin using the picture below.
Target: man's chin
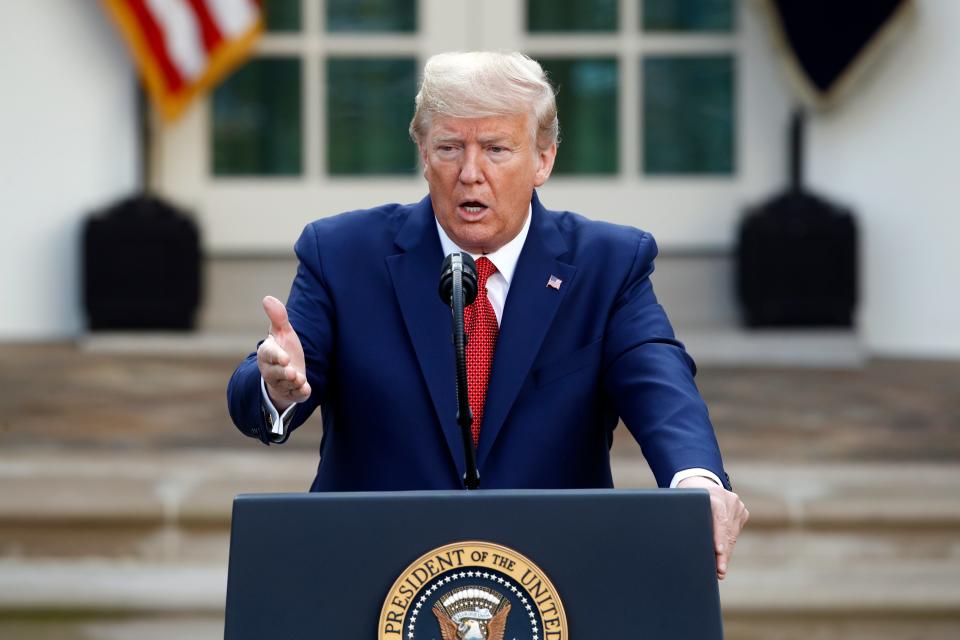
(473, 242)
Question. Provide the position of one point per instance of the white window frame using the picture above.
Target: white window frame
(253, 215)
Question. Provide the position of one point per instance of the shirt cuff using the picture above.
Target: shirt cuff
(695, 472)
(278, 421)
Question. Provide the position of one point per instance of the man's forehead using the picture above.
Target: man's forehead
(504, 126)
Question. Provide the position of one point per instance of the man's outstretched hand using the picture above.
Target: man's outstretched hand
(729, 517)
(280, 359)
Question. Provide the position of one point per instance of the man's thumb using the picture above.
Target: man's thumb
(277, 314)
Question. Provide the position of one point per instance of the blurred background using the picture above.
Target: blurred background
(795, 161)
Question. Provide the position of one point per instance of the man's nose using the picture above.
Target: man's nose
(472, 169)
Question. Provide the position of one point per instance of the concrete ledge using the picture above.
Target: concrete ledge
(902, 588)
(852, 494)
(117, 588)
(854, 542)
(171, 343)
(710, 346)
(734, 347)
(91, 498)
(198, 487)
(108, 627)
(837, 495)
(89, 586)
(160, 487)
(873, 626)
(775, 626)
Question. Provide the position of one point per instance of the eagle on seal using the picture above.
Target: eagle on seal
(471, 629)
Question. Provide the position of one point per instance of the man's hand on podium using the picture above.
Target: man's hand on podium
(280, 359)
(729, 517)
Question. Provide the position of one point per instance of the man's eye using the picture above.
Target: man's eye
(496, 149)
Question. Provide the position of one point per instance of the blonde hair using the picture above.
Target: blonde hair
(479, 84)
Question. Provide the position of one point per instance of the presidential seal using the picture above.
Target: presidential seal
(472, 591)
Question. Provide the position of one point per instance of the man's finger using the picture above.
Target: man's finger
(287, 375)
(284, 378)
(272, 353)
(279, 322)
(721, 534)
(723, 559)
(275, 375)
(290, 392)
(721, 523)
(302, 393)
(737, 516)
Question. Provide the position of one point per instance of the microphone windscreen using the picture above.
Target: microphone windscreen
(462, 261)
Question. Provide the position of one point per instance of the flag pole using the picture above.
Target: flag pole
(144, 137)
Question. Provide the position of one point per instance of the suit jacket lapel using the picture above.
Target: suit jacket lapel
(415, 274)
(528, 314)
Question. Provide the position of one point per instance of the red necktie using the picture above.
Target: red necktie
(480, 324)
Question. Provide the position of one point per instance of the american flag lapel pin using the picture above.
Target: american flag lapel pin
(554, 282)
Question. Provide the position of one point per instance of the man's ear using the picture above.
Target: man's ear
(545, 160)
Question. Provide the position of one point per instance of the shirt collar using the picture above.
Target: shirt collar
(504, 259)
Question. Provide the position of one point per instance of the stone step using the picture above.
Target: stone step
(722, 346)
(210, 627)
(196, 488)
(125, 540)
(232, 344)
(905, 588)
(85, 586)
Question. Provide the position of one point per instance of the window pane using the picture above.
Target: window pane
(587, 105)
(372, 15)
(687, 15)
(688, 114)
(369, 106)
(256, 120)
(282, 15)
(571, 15)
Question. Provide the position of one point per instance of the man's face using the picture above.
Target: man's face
(482, 172)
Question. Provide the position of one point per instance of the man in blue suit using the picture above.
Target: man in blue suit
(567, 334)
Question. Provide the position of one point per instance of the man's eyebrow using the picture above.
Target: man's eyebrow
(446, 138)
(501, 138)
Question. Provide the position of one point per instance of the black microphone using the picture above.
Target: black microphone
(458, 289)
(468, 268)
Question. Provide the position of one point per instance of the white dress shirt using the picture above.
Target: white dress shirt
(498, 286)
(504, 259)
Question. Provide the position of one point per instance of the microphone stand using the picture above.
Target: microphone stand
(464, 415)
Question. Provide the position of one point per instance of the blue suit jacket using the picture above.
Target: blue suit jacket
(569, 363)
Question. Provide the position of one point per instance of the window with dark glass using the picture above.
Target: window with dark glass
(282, 15)
(257, 127)
(587, 102)
(687, 15)
(369, 107)
(688, 117)
(571, 15)
(371, 15)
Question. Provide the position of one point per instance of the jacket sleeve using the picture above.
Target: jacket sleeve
(311, 313)
(649, 377)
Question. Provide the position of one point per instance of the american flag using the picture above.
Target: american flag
(554, 282)
(184, 47)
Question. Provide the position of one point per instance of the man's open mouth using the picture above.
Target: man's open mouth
(473, 206)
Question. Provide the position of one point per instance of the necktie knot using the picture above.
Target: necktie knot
(485, 269)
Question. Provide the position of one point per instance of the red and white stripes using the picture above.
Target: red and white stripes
(185, 46)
